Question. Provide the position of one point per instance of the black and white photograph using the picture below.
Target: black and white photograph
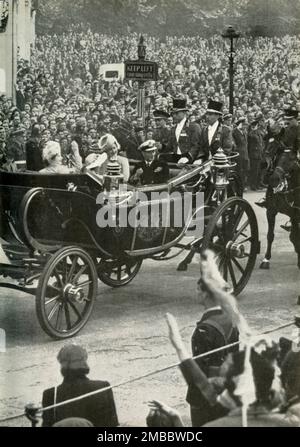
(149, 215)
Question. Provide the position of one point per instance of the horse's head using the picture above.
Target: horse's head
(286, 162)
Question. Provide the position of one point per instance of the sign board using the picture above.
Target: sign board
(141, 70)
(112, 72)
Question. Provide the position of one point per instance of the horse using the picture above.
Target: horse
(283, 196)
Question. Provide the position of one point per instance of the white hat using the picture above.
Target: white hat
(95, 160)
(108, 140)
(51, 150)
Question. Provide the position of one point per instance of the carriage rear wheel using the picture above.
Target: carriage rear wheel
(232, 233)
(118, 272)
(66, 292)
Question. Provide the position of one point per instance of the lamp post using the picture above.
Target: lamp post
(141, 91)
(231, 34)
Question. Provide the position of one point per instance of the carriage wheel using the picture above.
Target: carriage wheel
(66, 292)
(232, 233)
(118, 272)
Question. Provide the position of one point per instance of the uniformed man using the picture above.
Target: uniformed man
(162, 132)
(215, 329)
(150, 171)
(184, 142)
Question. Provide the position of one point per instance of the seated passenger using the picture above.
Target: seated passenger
(52, 156)
(9, 163)
(150, 170)
(109, 144)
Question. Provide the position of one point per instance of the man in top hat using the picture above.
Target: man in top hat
(240, 139)
(184, 142)
(162, 133)
(291, 137)
(150, 171)
(99, 409)
(215, 135)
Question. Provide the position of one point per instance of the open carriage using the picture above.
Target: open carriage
(61, 233)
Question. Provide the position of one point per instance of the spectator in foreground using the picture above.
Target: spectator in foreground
(98, 409)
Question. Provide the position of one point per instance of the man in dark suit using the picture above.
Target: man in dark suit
(255, 151)
(241, 146)
(214, 134)
(150, 171)
(20, 96)
(184, 142)
(162, 133)
(99, 409)
(34, 158)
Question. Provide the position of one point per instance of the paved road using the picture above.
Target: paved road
(127, 337)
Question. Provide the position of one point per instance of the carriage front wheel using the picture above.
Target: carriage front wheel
(232, 233)
(66, 292)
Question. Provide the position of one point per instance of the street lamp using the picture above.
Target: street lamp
(231, 34)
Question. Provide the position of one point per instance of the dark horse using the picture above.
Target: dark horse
(283, 195)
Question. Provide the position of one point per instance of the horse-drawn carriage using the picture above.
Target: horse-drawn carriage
(61, 233)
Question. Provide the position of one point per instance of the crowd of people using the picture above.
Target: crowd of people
(61, 96)
(66, 117)
(247, 379)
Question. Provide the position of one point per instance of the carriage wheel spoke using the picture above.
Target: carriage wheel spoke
(51, 286)
(52, 299)
(240, 231)
(238, 265)
(67, 315)
(232, 275)
(85, 283)
(57, 276)
(247, 239)
(237, 220)
(79, 273)
(75, 310)
(53, 310)
(71, 271)
(59, 317)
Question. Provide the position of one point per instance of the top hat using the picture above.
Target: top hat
(214, 107)
(160, 114)
(179, 105)
(291, 113)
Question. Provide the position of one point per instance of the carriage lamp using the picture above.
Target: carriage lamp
(220, 169)
(113, 178)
